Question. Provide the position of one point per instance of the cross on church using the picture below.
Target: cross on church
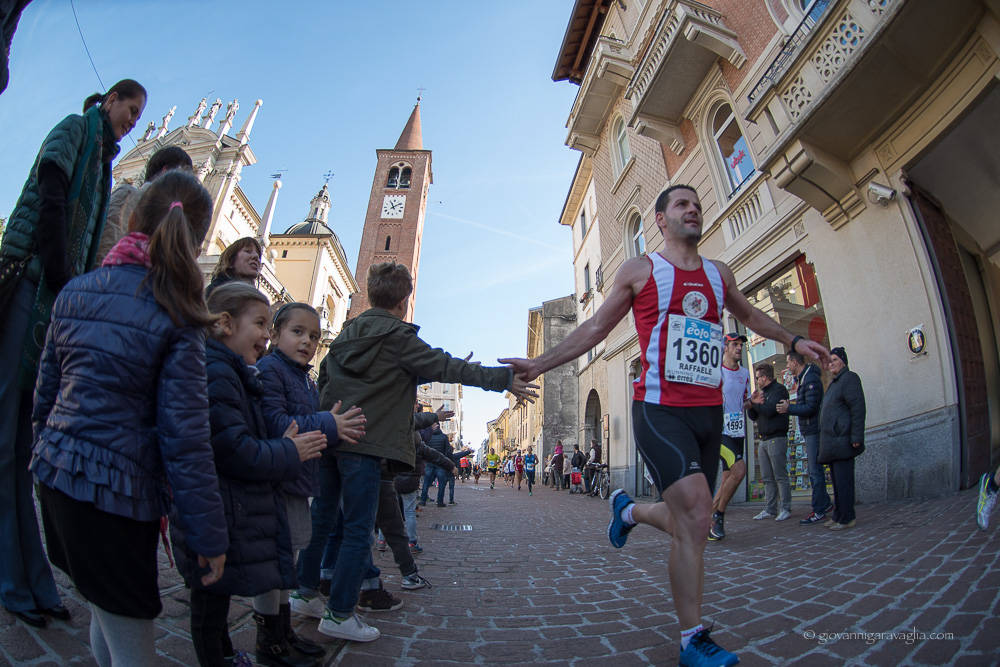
(420, 94)
(327, 176)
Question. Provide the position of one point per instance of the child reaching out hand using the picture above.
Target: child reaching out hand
(290, 396)
(249, 466)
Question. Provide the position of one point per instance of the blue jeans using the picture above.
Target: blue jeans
(25, 576)
(350, 481)
(431, 472)
(410, 514)
(331, 549)
(817, 480)
(451, 487)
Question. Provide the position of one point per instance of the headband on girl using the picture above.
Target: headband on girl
(289, 306)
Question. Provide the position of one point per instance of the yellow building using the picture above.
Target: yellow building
(846, 161)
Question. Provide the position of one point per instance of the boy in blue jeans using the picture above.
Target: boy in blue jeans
(374, 364)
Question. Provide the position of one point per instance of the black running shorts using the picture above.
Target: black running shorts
(732, 451)
(676, 442)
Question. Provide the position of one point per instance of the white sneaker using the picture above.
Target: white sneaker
(351, 628)
(413, 582)
(763, 515)
(782, 515)
(314, 606)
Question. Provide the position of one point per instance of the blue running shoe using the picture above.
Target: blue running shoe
(987, 501)
(701, 651)
(617, 530)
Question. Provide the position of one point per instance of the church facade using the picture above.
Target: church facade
(306, 263)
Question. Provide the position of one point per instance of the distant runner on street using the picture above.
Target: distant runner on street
(530, 461)
(677, 298)
(492, 466)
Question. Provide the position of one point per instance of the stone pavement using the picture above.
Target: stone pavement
(535, 581)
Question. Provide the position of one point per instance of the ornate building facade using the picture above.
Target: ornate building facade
(844, 159)
(306, 263)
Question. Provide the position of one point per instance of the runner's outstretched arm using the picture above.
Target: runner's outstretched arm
(594, 330)
(759, 323)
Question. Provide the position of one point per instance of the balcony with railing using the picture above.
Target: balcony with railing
(608, 72)
(844, 75)
(688, 39)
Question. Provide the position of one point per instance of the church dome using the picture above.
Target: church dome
(319, 209)
(309, 227)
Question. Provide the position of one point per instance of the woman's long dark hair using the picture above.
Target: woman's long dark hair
(126, 89)
(175, 213)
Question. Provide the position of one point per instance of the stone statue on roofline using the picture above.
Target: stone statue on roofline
(209, 118)
(194, 118)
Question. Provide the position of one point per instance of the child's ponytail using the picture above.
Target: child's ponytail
(175, 214)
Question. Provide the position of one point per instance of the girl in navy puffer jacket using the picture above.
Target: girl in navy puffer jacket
(290, 396)
(121, 411)
(251, 468)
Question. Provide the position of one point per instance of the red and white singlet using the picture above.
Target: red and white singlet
(678, 316)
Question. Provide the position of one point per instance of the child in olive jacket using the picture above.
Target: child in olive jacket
(374, 364)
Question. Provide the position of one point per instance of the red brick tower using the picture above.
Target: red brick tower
(394, 224)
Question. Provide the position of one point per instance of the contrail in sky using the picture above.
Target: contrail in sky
(502, 232)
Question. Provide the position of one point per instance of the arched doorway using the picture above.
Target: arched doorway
(592, 424)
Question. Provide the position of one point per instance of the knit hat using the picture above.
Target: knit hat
(840, 352)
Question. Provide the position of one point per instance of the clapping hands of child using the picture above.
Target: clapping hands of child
(216, 565)
(309, 445)
(350, 423)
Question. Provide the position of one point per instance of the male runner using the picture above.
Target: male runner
(677, 299)
(735, 392)
(492, 465)
(530, 461)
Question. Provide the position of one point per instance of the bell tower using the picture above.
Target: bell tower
(394, 223)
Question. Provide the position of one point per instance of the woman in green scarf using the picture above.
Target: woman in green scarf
(52, 236)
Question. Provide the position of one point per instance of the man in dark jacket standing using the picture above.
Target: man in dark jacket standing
(773, 451)
(438, 441)
(809, 396)
(842, 435)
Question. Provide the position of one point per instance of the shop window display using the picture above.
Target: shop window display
(792, 297)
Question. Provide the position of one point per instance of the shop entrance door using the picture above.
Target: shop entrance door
(964, 335)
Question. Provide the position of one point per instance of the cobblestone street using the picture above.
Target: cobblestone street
(535, 581)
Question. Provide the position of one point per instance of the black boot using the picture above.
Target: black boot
(301, 644)
(272, 648)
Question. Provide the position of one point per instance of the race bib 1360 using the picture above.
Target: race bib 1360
(694, 351)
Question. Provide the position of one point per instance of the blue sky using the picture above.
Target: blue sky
(338, 80)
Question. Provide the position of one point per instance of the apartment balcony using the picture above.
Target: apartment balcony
(689, 37)
(848, 71)
(752, 204)
(609, 71)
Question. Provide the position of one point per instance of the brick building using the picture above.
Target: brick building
(394, 223)
(846, 160)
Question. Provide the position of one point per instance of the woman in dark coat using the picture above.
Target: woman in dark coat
(51, 236)
(842, 435)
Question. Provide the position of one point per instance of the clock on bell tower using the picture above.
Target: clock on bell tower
(394, 223)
